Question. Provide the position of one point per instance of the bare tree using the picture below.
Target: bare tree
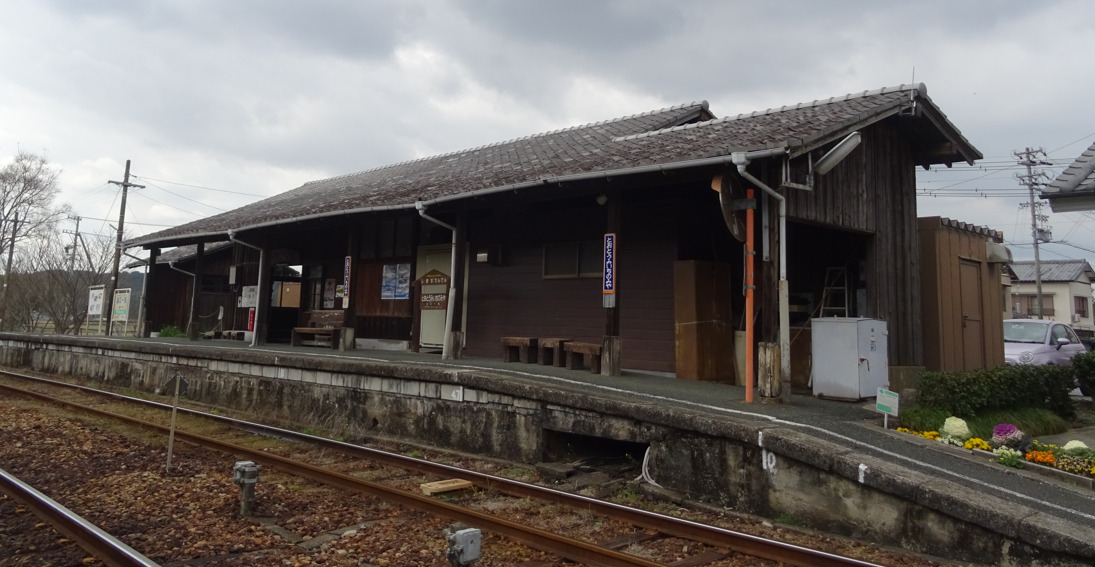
(49, 288)
(28, 187)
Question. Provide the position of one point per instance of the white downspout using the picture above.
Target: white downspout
(446, 345)
(193, 277)
(232, 237)
(741, 159)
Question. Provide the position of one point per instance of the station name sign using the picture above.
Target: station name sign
(609, 277)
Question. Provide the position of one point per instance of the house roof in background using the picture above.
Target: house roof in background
(675, 136)
(1074, 188)
(1054, 270)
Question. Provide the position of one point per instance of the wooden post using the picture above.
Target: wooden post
(750, 286)
(262, 310)
(146, 328)
(611, 343)
(768, 370)
(349, 313)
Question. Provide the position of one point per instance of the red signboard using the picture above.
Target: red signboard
(251, 319)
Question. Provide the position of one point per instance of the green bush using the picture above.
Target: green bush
(921, 418)
(967, 394)
(170, 331)
(1083, 369)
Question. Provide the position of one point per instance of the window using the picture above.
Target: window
(1025, 304)
(573, 259)
(315, 287)
(1080, 306)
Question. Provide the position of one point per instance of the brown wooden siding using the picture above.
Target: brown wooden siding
(874, 190)
(513, 299)
(943, 248)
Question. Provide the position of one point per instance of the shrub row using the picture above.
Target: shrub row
(965, 394)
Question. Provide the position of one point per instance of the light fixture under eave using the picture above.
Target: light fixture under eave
(602, 199)
(837, 154)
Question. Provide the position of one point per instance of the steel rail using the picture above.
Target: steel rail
(719, 537)
(578, 551)
(88, 536)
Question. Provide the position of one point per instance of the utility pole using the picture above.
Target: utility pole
(75, 243)
(113, 284)
(1038, 232)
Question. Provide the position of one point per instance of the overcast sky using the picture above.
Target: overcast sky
(219, 103)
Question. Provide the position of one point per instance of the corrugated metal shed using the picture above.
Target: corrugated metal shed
(675, 135)
(1053, 270)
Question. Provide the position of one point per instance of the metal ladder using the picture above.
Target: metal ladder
(834, 297)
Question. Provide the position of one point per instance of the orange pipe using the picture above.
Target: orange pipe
(749, 255)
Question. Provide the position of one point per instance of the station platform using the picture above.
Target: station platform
(1066, 505)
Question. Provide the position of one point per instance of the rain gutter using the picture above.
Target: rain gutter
(584, 176)
(446, 344)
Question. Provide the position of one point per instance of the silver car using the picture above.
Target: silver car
(1037, 341)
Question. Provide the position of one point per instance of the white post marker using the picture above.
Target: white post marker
(886, 402)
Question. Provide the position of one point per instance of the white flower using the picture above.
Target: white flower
(956, 427)
(1074, 445)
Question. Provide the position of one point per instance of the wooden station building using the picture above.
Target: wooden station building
(459, 250)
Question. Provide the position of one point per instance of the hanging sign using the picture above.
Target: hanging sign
(609, 277)
(345, 280)
(431, 300)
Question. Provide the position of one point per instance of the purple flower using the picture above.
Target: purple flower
(1006, 435)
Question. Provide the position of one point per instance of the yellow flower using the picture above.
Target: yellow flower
(977, 443)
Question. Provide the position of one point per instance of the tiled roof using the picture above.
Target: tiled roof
(1080, 176)
(1053, 270)
(614, 147)
(994, 235)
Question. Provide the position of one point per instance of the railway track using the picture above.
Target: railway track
(647, 525)
(88, 536)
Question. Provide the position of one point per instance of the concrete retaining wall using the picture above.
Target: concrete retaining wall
(758, 468)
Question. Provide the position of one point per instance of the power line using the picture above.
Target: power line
(199, 187)
(183, 197)
(172, 206)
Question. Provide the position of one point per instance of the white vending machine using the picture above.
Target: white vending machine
(849, 357)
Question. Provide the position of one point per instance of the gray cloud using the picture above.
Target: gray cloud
(260, 96)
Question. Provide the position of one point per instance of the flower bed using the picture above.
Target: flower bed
(1013, 448)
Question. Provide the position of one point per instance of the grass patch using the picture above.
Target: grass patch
(1032, 421)
(789, 520)
(171, 331)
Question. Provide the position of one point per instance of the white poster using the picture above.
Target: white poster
(249, 296)
(121, 305)
(95, 302)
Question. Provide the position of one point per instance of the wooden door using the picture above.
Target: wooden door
(973, 333)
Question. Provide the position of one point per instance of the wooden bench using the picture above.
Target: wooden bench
(551, 351)
(519, 348)
(576, 351)
(323, 328)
